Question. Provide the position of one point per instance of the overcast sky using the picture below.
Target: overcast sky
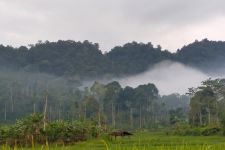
(169, 23)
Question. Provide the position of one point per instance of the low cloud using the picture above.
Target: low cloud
(169, 77)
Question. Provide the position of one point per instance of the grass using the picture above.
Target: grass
(146, 141)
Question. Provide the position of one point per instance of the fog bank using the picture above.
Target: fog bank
(169, 77)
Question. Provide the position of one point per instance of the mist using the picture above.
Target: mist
(169, 77)
(41, 80)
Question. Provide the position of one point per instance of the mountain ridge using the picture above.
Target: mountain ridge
(85, 60)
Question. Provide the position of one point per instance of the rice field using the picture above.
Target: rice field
(141, 141)
(155, 141)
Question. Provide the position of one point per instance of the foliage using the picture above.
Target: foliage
(29, 130)
(84, 59)
(68, 132)
(110, 104)
(205, 55)
(183, 129)
(211, 131)
(207, 103)
(133, 58)
(177, 116)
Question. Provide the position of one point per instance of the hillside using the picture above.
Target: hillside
(85, 60)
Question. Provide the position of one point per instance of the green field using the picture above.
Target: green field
(146, 141)
(156, 141)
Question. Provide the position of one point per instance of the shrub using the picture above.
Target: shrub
(211, 131)
(69, 132)
(30, 130)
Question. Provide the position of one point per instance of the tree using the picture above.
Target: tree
(204, 103)
(110, 101)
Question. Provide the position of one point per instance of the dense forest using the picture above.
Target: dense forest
(109, 104)
(56, 70)
(82, 60)
(45, 80)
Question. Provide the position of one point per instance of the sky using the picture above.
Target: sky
(169, 23)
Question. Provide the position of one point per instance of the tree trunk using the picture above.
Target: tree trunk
(140, 117)
(45, 110)
(34, 108)
(50, 113)
(5, 115)
(99, 118)
(113, 116)
(209, 117)
(131, 118)
(85, 111)
(200, 117)
(11, 98)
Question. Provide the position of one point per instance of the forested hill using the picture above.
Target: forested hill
(84, 59)
(205, 55)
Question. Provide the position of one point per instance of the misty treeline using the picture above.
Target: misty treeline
(206, 114)
(109, 104)
(83, 60)
(207, 104)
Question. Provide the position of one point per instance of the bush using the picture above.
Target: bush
(65, 131)
(211, 131)
(186, 132)
(196, 131)
(30, 130)
(3, 133)
(70, 132)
